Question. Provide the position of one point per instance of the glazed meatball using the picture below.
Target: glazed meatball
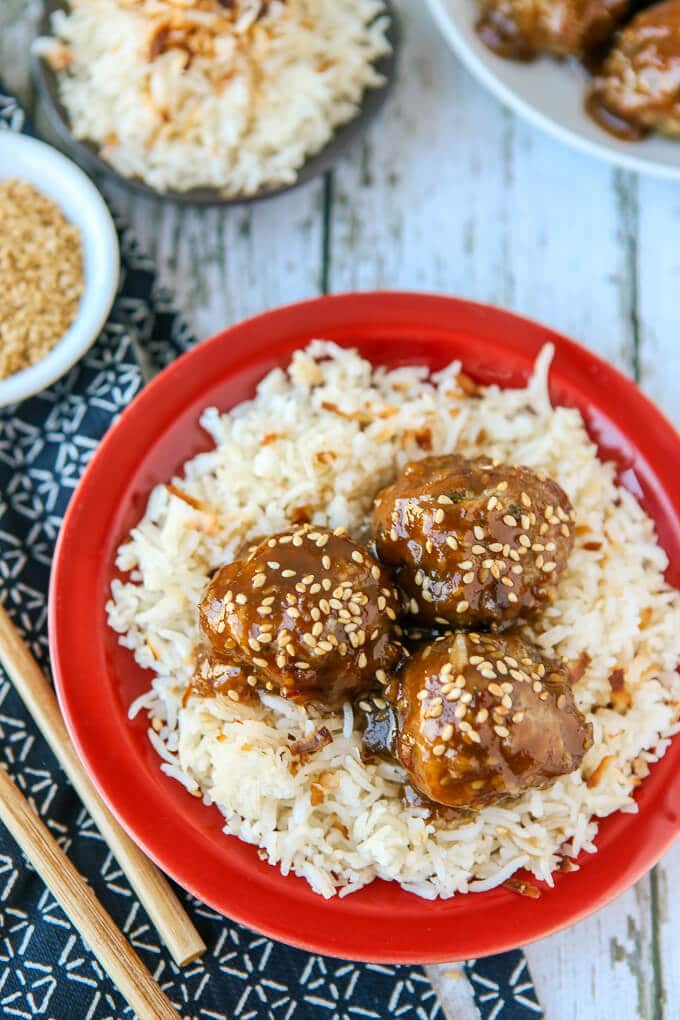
(483, 717)
(473, 542)
(309, 612)
(522, 29)
(638, 89)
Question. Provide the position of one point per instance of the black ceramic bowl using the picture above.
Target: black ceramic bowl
(88, 156)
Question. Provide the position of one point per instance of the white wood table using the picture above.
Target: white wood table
(452, 193)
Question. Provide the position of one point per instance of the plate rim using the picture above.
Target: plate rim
(449, 29)
(276, 927)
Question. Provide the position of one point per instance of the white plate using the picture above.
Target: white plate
(62, 181)
(550, 95)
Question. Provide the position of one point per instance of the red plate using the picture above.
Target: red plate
(97, 679)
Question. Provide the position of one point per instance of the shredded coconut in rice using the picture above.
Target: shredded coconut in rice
(335, 820)
(205, 93)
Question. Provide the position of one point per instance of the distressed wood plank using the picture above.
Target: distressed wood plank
(658, 259)
(223, 265)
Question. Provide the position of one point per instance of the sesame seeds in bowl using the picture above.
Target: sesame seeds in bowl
(76, 199)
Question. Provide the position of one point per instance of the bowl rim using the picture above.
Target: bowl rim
(87, 153)
(495, 921)
(608, 152)
(96, 302)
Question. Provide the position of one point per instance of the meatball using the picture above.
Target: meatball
(473, 542)
(522, 29)
(484, 717)
(638, 89)
(309, 612)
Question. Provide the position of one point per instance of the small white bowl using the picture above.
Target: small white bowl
(75, 194)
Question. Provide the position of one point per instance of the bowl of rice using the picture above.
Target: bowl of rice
(211, 102)
(229, 444)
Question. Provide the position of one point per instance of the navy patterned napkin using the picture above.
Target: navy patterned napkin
(45, 444)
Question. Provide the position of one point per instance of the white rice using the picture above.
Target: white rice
(270, 457)
(236, 105)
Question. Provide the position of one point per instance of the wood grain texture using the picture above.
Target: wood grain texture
(450, 192)
(81, 905)
(152, 888)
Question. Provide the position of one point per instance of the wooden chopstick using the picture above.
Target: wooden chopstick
(151, 887)
(110, 947)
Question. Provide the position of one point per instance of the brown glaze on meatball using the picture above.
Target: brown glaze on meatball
(309, 611)
(214, 674)
(523, 29)
(485, 717)
(638, 89)
(473, 542)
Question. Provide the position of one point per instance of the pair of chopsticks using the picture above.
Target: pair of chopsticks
(58, 873)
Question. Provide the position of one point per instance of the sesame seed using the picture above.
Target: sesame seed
(362, 661)
(525, 499)
(364, 706)
(482, 715)
(549, 567)
(501, 667)
(507, 581)
(543, 696)
(421, 695)
(565, 530)
(451, 542)
(462, 606)
(460, 711)
(468, 578)
(454, 695)
(475, 660)
(393, 534)
(525, 541)
(444, 500)
(447, 732)
(496, 547)
(496, 689)
(234, 695)
(478, 532)
(517, 568)
(512, 597)
(241, 599)
(502, 731)
(506, 701)
(502, 486)
(466, 697)
(537, 686)
(466, 565)
(510, 521)
(492, 504)
(357, 556)
(438, 750)
(478, 550)
(262, 663)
